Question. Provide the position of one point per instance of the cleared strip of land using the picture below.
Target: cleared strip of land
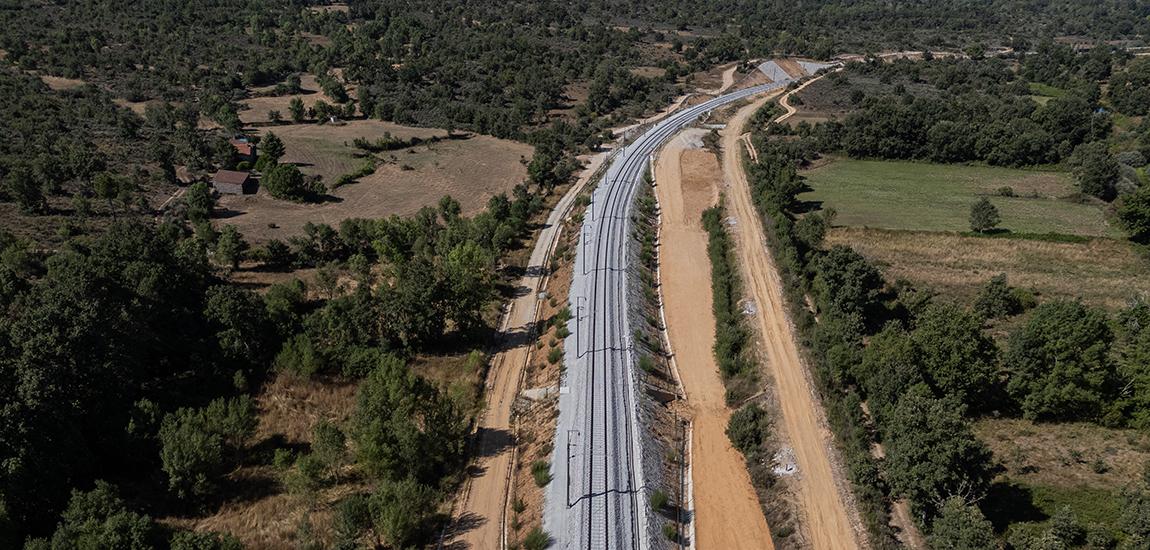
(726, 510)
(821, 499)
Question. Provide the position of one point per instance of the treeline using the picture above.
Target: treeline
(924, 367)
(732, 339)
(980, 110)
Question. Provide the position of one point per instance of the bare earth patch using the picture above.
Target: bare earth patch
(1102, 272)
(472, 170)
(725, 509)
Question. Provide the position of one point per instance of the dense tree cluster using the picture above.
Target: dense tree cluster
(982, 111)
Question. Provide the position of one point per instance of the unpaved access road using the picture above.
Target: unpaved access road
(823, 502)
(478, 521)
(725, 508)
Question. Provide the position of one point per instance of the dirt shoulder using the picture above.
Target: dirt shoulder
(822, 500)
(726, 509)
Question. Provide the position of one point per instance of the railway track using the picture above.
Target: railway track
(598, 499)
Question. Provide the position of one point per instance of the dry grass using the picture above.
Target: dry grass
(471, 170)
(256, 109)
(1066, 455)
(648, 72)
(1101, 272)
(58, 83)
(260, 513)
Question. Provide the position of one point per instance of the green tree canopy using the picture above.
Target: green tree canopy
(960, 526)
(958, 359)
(1059, 362)
(198, 445)
(983, 216)
(931, 453)
(403, 427)
(1096, 169)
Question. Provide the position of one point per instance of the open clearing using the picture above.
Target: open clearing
(1049, 466)
(936, 197)
(256, 108)
(726, 508)
(1102, 272)
(471, 169)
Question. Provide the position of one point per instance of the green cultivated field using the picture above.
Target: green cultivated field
(937, 197)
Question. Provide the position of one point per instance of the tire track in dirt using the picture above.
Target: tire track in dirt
(725, 507)
(822, 501)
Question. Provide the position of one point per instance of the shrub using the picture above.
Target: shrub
(658, 500)
(747, 427)
(996, 299)
(298, 356)
(555, 355)
(1005, 191)
(647, 364)
(536, 540)
(286, 182)
(670, 531)
(541, 471)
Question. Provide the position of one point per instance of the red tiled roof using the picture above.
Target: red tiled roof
(243, 147)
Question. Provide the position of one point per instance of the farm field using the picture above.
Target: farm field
(1103, 272)
(1045, 467)
(934, 197)
(471, 169)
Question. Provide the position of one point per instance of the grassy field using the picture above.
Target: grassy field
(1050, 466)
(1102, 272)
(471, 169)
(934, 197)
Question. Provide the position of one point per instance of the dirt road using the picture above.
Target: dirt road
(726, 510)
(821, 499)
(479, 510)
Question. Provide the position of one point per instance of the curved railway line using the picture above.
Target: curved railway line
(597, 499)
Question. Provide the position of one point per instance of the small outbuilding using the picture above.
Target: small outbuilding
(231, 182)
(245, 150)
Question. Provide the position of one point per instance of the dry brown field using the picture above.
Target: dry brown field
(1102, 272)
(471, 169)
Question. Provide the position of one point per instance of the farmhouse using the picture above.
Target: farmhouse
(231, 182)
(245, 149)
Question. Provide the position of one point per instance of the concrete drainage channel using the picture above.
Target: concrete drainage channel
(598, 498)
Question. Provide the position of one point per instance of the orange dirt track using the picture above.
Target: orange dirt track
(822, 501)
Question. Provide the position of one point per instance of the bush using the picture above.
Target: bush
(541, 471)
(536, 540)
(658, 500)
(996, 299)
(1005, 191)
(298, 356)
(670, 531)
(198, 445)
(555, 355)
(747, 427)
